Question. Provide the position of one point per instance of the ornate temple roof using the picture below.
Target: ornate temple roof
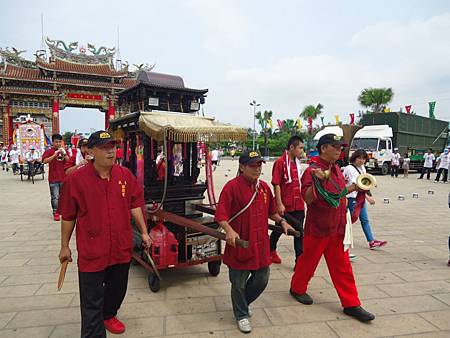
(165, 81)
(80, 68)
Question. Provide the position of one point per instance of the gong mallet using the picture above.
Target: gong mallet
(188, 223)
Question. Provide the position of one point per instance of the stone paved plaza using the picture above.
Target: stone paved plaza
(407, 284)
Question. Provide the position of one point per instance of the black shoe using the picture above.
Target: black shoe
(359, 313)
(304, 298)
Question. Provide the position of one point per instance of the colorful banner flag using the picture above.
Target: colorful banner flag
(352, 118)
(408, 109)
(337, 119)
(270, 123)
(310, 122)
(387, 110)
(431, 106)
(280, 124)
(299, 124)
(321, 119)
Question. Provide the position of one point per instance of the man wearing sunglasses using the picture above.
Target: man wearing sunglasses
(324, 191)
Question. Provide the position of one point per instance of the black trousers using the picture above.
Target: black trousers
(394, 170)
(439, 172)
(294, 218)
(101, 294)
(425, 170)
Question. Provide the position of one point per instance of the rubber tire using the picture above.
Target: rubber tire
(153, 282)
(214, 268)
(385, 169)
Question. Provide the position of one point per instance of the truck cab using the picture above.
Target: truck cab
(377, 142)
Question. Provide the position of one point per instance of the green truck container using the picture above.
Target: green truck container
(412, 134)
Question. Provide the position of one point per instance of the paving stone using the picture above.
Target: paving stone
(410, 304)
(34, 332)
(18, 290)
(5, 318)
(382, 326)
(440, 334)
(443, 297)
(415, 288)
(51, 288)
(300, 313)
(35, 302)
(209, 334)
(441, 319)
(39, 278)
(168, 307)
(66, 331)
(288, 331)
(46, 317)
(212, 321)
(416, 276)
(5, 262)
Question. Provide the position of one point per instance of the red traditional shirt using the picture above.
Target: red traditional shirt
(101, 209)
(321, 218)
(251, 225)
(290, 192)
(70, 162)
(55, 167)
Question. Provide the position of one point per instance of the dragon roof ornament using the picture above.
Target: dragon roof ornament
(13, 56)
(62, 50)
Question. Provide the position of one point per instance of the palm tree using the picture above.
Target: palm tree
(376, 98)
(311, 111)
(263, 120)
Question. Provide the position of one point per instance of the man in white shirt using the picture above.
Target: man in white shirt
(33, 160)
(14, 158)
(395, 163)
(442, 166)
(427, 163)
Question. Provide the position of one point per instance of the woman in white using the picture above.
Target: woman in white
(351, 172)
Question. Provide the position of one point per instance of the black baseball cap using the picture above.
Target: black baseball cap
(82, 142)
(250, 156)
(330, 139)
(100, 138)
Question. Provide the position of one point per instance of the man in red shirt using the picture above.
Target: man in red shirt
(56, 158)
(286, 175)
(324, 190)
(100, 199)
(79, 159)
(252, 201)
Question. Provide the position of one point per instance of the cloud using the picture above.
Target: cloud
(411, 57)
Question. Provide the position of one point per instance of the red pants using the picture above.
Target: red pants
(338, 264)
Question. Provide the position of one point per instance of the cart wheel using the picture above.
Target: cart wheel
(153, 282)
(214, 268)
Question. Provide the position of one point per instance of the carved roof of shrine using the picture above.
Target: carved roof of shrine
(165, 81)
(80, 68)
(14, 72)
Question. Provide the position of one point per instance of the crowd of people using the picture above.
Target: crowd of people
(318, 203)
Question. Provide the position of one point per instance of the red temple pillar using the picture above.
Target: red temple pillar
(8, 122)
(111, 113)
(55, 116)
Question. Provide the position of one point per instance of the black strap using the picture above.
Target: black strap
(354, 166)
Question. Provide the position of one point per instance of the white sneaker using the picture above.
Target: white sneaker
(352, 257)
(244, 325)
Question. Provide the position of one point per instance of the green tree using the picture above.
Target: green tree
(376, 98)
(311, 111)
(263, 119)
(67, 136)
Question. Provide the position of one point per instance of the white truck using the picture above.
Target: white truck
(376, 140)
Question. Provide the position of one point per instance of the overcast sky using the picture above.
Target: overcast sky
(283, 54)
